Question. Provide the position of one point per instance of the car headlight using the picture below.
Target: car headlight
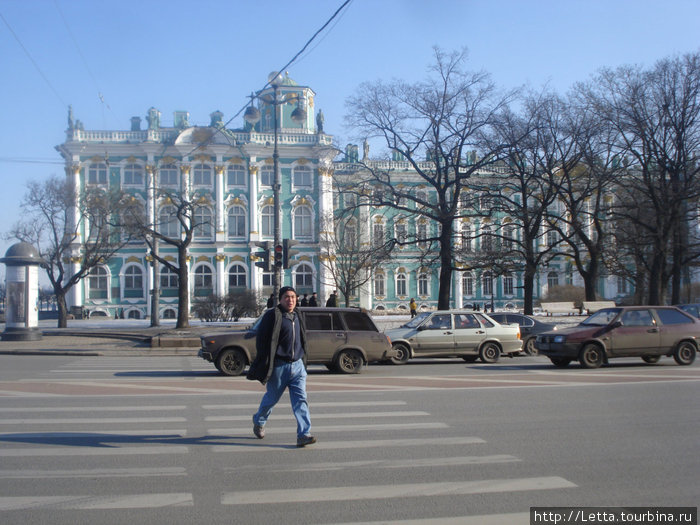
(559, 339)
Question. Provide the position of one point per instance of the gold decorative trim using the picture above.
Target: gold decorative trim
(253, 170)
(219, 170)
(220, 257)
(269, 161)
(302, 161)
(185, 169)
(133, 258)
(235, 160)
(201, 258)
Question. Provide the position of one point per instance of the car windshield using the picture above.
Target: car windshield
(602, 317)
(417, 320)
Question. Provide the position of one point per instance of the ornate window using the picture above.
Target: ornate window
(486, 284)
(237, 277)
(423, 284)
(236, 222)
(97, 174)
(401, 285)
(133, 175)
(350, 235)
(486, 239)
(168, 278)
(98, 283)
(466, 237)
(302, 222)
(202, 223)
(552, 279)
(168, 223)
(378, 235)
(203, 281)
(468, 284)
(379, 284)
(267, 221)
(508, 288)
(201, 175)
(302, 176)
(235, 176)
(168, 176)
(133, 282)
(303, 278)
(267, 175)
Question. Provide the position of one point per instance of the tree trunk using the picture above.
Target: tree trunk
(62, 309)
(183, 292)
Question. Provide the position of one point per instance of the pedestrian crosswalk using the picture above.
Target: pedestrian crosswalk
(63, 457)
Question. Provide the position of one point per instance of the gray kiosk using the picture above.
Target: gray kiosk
(22, 263)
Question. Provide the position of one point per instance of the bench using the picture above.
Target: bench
(592, 307)
(566, 307)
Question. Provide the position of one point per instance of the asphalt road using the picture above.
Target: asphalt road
(159, 440)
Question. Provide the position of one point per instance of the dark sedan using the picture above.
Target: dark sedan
(648, 332)
(529, 328)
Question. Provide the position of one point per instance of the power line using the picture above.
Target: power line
(33, 62)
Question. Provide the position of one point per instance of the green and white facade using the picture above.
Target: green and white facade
(231, 171)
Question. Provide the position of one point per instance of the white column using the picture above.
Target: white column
(220, 211)
(220, 275)
(253, 202)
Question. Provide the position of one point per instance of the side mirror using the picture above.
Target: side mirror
(616, 324)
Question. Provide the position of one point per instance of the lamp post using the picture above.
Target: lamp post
(252, 116)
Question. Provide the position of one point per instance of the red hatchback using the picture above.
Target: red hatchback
(648, 332)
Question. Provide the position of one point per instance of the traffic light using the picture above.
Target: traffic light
(288, 253)
(263, 256)
(278, 255)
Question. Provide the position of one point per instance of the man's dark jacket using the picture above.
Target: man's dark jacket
(266, 343)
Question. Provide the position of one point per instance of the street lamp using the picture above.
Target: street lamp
(252, 116)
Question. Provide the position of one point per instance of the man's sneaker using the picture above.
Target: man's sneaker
(305, 440)
(258, 430)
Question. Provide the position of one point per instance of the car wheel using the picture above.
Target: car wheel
(530, 346)
(403, 354)
(684, 354)
(349, 362)
(470, 358)
(651, 359)
(232, 362)
(489, 353)
(591, 356)
(560, 362)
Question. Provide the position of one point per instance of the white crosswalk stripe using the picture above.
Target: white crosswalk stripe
(123, 468)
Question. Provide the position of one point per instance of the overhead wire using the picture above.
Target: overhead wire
(283, 68)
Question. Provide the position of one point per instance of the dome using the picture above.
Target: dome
(21, 254)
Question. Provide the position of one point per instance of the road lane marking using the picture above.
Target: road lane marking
(320, 404)
(261, 446)
(94, 409)
(94, 473)
(104, 450)
(403, 490)
(516, 518)
(340, 428)
(345, 415)
(136, 501)
(102, 420)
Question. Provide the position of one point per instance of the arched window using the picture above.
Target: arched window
(267, 175)
(267, 221)
(202, 223)
(423, 284)
(302, 176)
(379, 288)
(350, 235)
(203, 281)
(237, 277)
(303, 278)
(133, 314)
(552, 279)
(97, 174)
(236, 222)
(168, 278)
(133, 282)
(508, 236)
(169, 313)
(168, 223)
(133, 175)
(235, 176)
(422, 233)
(98, 283)
(486, 284)
(401, 285)
(201, 175)
(378, 235)
(168, 176)
(508, 288)
(468, 284)
(486, 239)
(302, 222)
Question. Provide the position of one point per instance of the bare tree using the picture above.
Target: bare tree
(656, 114)
(439, 128)
(73, 233)
(175, 226)
(346, 255)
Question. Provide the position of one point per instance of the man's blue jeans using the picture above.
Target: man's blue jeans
(293, 377)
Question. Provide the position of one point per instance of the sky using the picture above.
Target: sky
(114, 59)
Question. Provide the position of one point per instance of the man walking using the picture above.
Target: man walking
(280, 364)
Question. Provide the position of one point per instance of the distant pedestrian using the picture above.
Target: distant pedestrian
(271, 301)
(333, 300)
(305, 300)
(280, 364)
(314, 300)
(412, 306)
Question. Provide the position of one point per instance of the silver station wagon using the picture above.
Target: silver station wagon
(343, 339)
(454, 333)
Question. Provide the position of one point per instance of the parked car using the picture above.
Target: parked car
(529, 328)
(693, 309)
(454, 333)
(648, 332)
(343, 339)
